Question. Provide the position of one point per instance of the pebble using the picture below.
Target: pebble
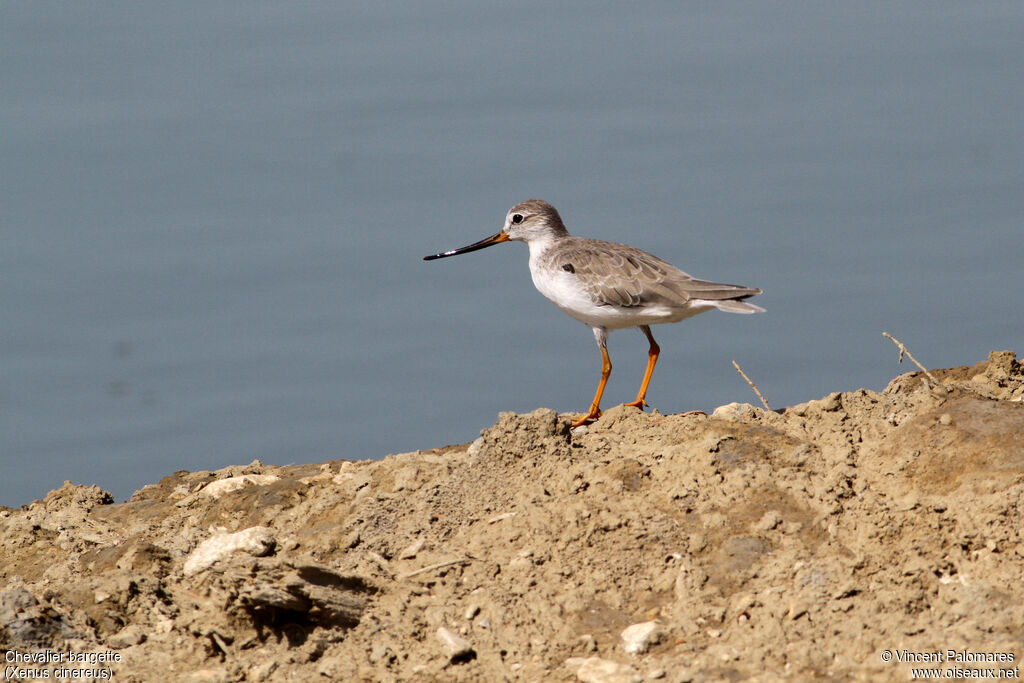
(638, 637)
(522, 560)
(769, 521)
(412, 550)
(454, 645)
(208, 676)
(597, 670)
(261, 672)
(126, 637)
(737, 412)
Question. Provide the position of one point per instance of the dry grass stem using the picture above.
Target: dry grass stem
(752, 385)
(439, 565)
(903, 350)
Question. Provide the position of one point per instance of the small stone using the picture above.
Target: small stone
(522, 560)
(737, 412)
(769, 521)
(945, 419)
(412, 549)
(831, 403)
(216, 489)
(258, 541)
(638, 637)
(743, 602)
(597, 670)
(472, 611)
(126, 637)
(454, 645)
(208, 676)
(261, 672)
(381, 653)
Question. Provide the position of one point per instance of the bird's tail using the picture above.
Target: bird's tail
(724, 297)
(729, 305)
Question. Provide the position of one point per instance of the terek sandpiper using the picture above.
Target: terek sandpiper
(608, 286)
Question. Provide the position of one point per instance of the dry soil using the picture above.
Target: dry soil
(748, 545)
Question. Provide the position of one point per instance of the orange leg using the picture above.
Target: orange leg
(606, 369)
(652, 358)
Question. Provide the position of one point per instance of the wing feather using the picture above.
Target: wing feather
(619, 275)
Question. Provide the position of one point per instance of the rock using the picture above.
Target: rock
(737, 412)
(208, 676)
(126, 637)
(597, 670)
(218, 488)
(258, 541)
(1001, 365)
(261, 672)
(769, 521)
(413, 549)
(454, 646)
(636, 639)
(305, 594)
(24, 622)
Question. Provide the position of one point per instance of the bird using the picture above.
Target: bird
(608, 286)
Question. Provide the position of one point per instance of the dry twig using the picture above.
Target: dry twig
(903, 350)
(439, 565)
(501, 517)
(752, 385)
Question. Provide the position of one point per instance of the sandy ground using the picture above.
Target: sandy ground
(745, 545)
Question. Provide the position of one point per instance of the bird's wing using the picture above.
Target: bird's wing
(617, 275)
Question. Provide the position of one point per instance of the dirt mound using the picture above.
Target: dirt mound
(748, 544)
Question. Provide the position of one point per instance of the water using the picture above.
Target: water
(212, 216)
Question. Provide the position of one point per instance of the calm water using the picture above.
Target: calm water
(212, 216)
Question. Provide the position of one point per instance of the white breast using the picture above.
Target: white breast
(562, 288)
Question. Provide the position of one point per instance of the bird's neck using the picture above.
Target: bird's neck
(538, 246)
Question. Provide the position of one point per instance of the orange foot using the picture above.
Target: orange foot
(589, 417)
(639, 403)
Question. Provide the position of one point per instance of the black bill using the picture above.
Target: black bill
(482, 244)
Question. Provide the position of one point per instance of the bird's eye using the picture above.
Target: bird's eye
(517, 218)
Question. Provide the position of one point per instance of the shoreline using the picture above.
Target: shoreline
(747, 544)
